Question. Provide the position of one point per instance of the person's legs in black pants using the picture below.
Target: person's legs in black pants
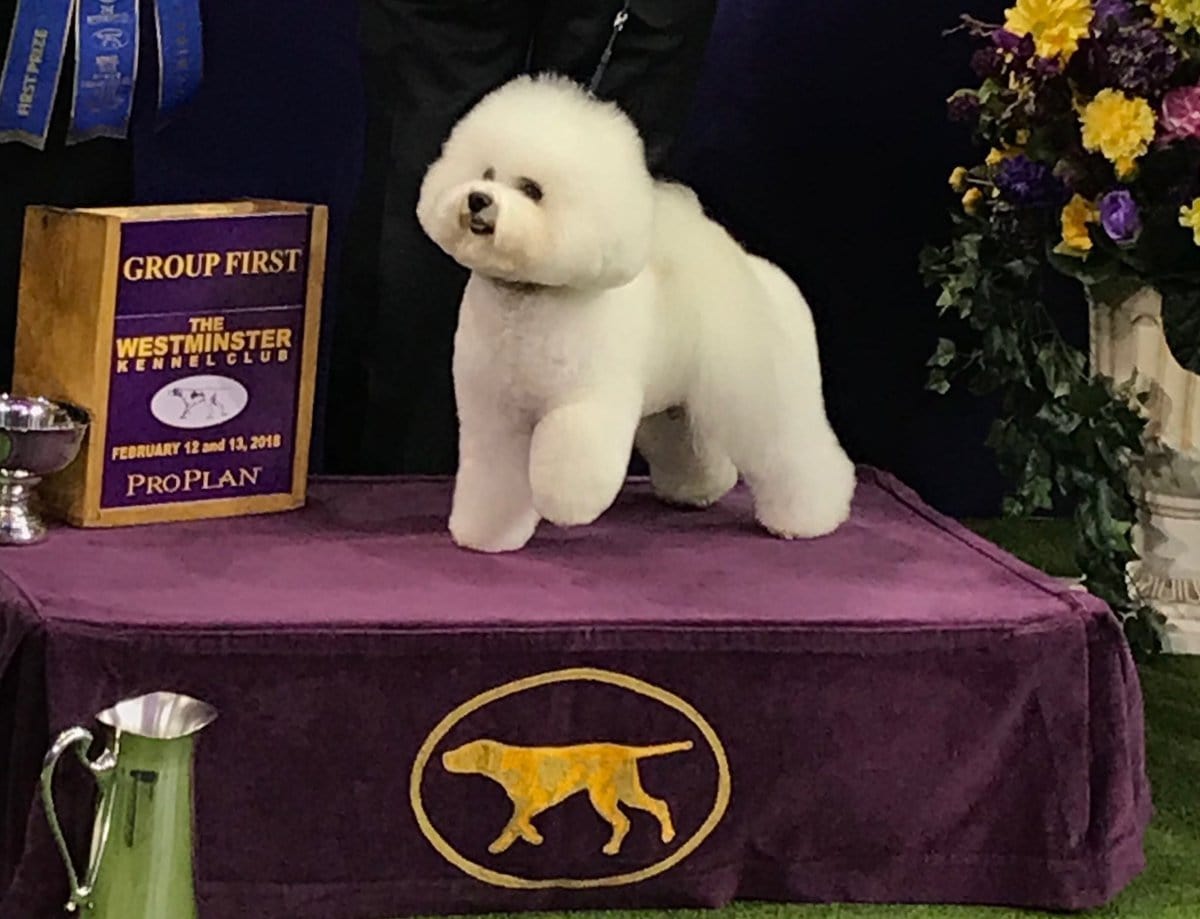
(426, 63)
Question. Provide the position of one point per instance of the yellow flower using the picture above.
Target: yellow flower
(1118, 126)
(1056, 25)
(1189, 216)
(1183, 14)
(971, 200)
(1076, 216)
(958, 178)
(1125, 166)
(997, 156)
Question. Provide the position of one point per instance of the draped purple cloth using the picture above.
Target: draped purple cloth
(899, 712)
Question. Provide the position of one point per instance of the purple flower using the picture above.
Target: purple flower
(1180, 115)
(1120, 217)
(987, 63)
(1006, 40)
(1136, 58)
(963, 107)
(1026, 183)
(1119, 12)
(1046, 68)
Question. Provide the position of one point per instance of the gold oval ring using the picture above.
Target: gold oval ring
(581, 674)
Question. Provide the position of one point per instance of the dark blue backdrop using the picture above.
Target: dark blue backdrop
(817, 135)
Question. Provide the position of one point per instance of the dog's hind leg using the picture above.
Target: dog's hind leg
(604, 800)
(505, 840)
(803, 491)
(762, 399)
(629, 787)
(685, 468)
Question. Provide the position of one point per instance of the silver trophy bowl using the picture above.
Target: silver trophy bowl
(37, 438)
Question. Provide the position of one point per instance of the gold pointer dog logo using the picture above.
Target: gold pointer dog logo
(538, 778)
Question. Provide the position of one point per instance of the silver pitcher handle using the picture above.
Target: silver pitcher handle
(101, 769)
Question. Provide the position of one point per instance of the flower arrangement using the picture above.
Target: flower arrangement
(1089, 111)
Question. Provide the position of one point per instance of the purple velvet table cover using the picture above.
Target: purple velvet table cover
(905, 712)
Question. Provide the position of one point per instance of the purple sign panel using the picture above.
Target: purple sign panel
(206, 359)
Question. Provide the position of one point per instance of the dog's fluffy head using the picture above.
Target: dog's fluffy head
(541, 184)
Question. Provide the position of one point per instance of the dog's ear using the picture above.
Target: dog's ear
(624, 257)
(439, 179)
(609, 228)
(489, 755)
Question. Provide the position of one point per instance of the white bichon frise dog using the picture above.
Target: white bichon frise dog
(605, 310)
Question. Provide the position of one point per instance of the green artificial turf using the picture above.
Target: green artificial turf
(1169, 888)
(1044, 543)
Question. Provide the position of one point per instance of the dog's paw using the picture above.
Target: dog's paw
(569, 510)
(818, 514)
(802, 524)
(696, 493)
(491, 539)
(807, 506)
(809, 520)
(488, 547)
(503, 844)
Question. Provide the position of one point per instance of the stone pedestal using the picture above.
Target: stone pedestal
(1128, 345)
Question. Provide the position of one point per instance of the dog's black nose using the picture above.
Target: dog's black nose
(478, 200)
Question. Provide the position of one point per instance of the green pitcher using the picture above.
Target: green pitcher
(140, 866)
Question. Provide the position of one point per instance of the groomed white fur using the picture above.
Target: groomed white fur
(612, 310)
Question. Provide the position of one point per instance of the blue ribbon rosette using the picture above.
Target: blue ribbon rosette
(106, 65)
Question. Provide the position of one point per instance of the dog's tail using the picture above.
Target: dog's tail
(663, 749)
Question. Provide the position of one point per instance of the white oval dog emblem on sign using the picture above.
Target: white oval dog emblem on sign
(536, 779)
(199, 402)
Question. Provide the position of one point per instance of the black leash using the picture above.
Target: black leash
(617, 26)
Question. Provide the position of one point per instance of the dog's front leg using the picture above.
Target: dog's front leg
(518, 827)
(579, 457)
(493, 506)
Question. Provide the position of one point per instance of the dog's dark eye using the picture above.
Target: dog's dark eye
(530, 189)
(489, 174)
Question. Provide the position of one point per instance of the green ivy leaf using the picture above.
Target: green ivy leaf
(1044, 144)
(944, 355)
(1097, 268)
(1089, 398)
(938, 381)
(989, 91)
(1058, 370)
(1012, 507)
(1060, 418)
(1065, 440)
